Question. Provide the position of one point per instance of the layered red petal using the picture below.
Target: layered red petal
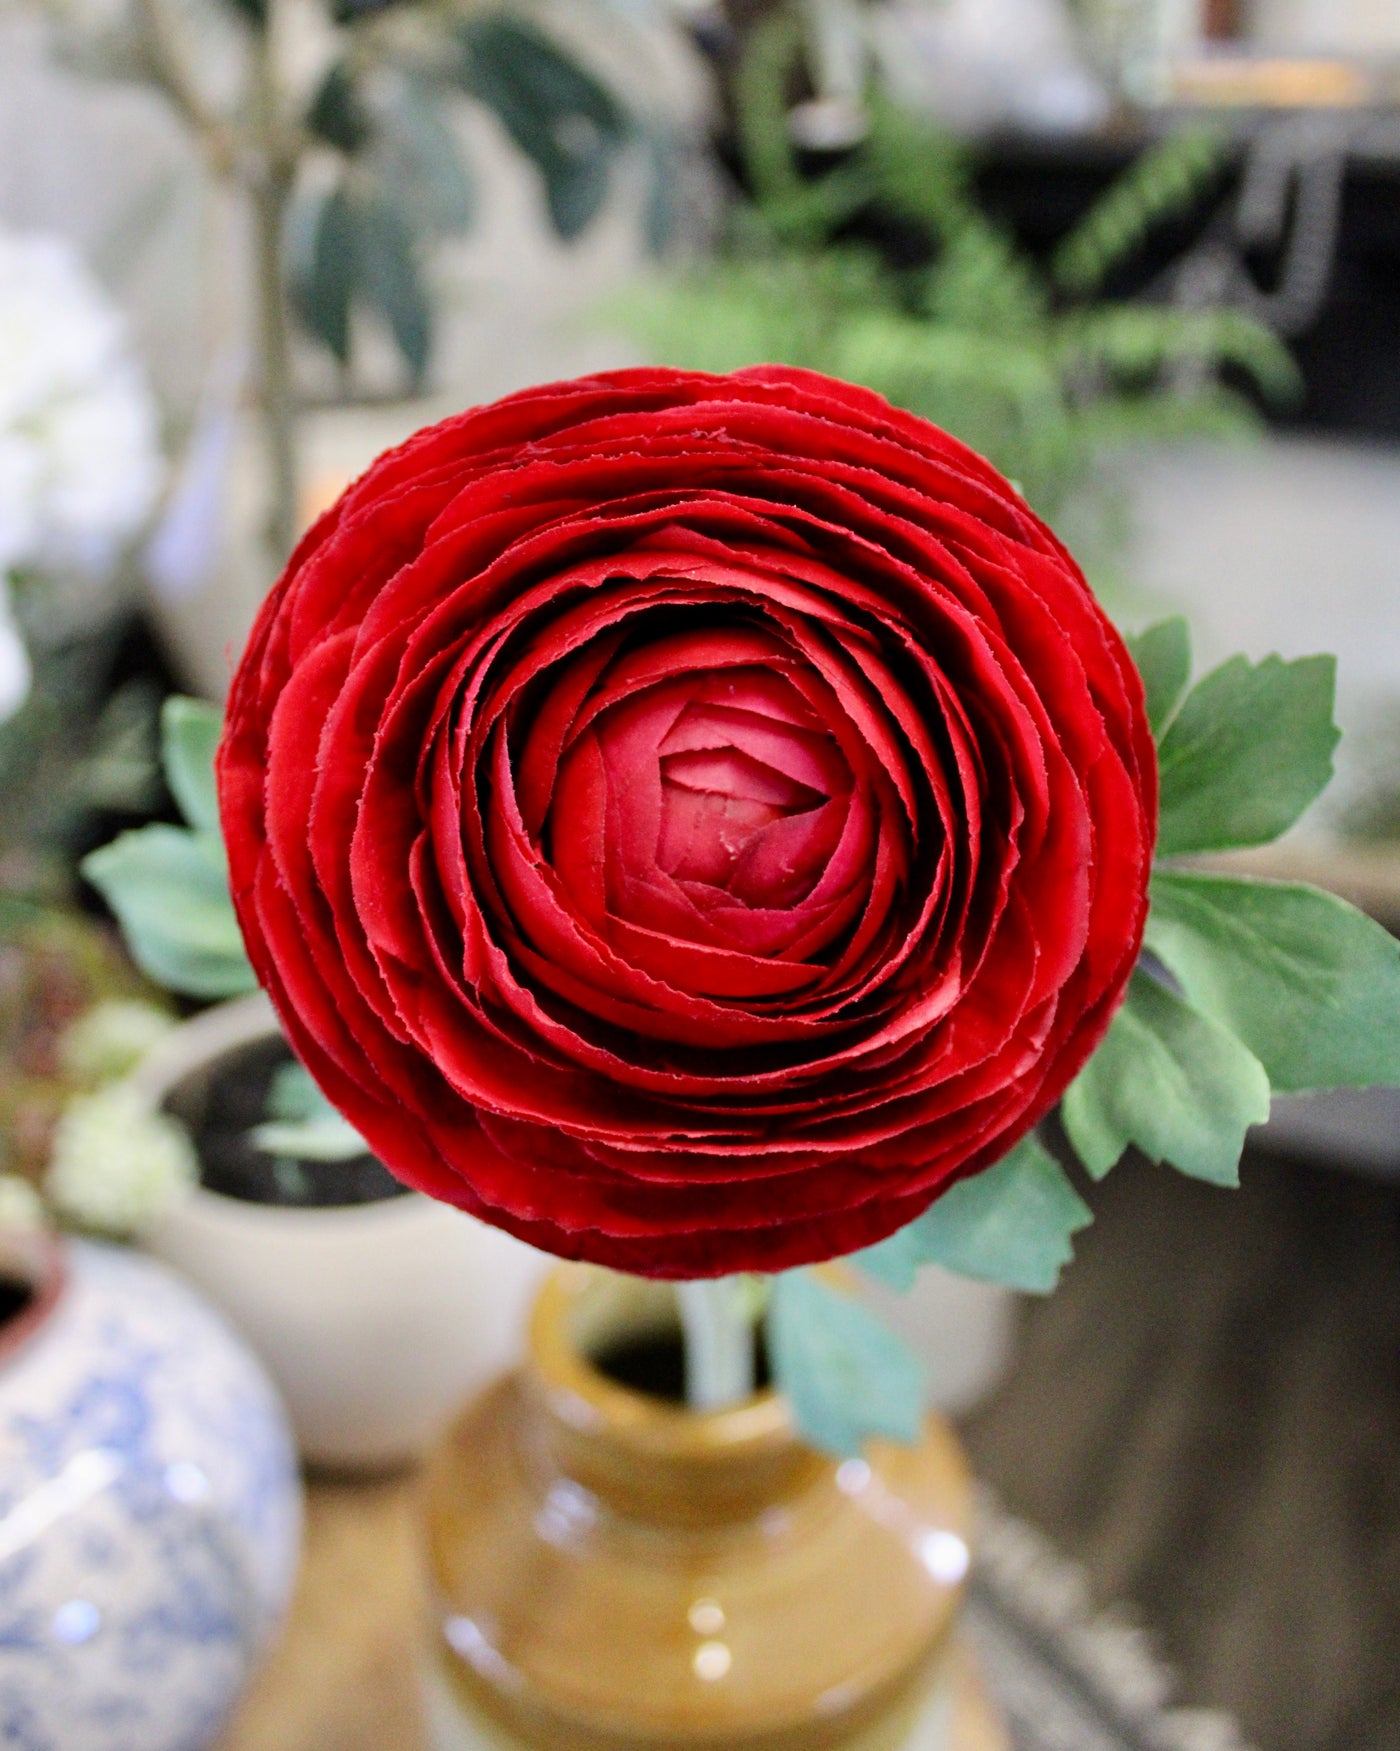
(688, 821)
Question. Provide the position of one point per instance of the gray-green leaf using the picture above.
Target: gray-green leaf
(1163, 657)
(327, 1138)
(337, 113)
(253, 12)
(420, 162)
(557, 113)
(169, 890)
(1009, 1224)
(301, 1123)
(1179, 1086)
(1247, 752)
(189, 738)
(1311, 985)
(846, 1376)
(388, 270)
(323, 285)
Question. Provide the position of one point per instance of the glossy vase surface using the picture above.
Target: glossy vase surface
(609, 1571)
(150, 1509)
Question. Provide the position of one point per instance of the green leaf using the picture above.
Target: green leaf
(420, 162)
(293, 1094)
(921, 174)
(352, 12)
(322, 288)
(1163, 657)
(1166, 180)
(846, 1376)
(1009, 1224)
(189, 738)
(1177, 1085)
(1137, 342)
(169, 890)
(252, 12)
(556, 112)
(325, 1138)
(760, 97)
(302, 1123)
(661, 212)
(1247, 752)
(337, 113)
(387, 268)
(121, 771)
(1311, 985)
(575, 190)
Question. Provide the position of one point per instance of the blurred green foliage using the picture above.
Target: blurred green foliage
(400, 177)
(167, 885)
(1028, 364)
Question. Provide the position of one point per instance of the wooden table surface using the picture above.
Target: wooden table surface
(341, 1677)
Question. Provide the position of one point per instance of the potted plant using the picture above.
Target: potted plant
(374, 1308)
(706, 825)
(864, 252)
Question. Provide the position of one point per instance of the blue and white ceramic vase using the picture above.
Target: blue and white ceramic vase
(150, 1509)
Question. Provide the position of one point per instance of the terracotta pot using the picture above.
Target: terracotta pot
(611, 1572)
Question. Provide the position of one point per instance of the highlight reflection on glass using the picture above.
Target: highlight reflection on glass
(76, 1622)
(712, 1661)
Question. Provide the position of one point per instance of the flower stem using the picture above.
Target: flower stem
(719, 1344)
(271, 192)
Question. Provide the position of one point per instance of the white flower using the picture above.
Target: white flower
(117, 1164)
(21, 1207)
(79, 456)
(108, 1040)
(15, 671)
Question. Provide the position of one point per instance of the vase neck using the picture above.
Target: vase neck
(647, 1457)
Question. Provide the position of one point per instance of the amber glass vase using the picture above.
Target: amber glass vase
(610, 1571)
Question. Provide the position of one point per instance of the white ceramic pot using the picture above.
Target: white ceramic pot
(376, 1320)
(963, 1331)
(150, 1510)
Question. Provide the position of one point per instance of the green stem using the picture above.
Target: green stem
(719, 1343)
(271, 192)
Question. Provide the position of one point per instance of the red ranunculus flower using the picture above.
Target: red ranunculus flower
(688, 821)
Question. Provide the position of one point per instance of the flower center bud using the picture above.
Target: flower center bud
(723, 815)
(702, 798)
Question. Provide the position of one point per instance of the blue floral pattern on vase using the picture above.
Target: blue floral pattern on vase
(150, 1516)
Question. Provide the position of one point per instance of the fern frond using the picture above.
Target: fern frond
(787, 308)
(981, 281)
(889, 349)
(1164, 182)
(1138, 341)
(797, 209)
(761, 110)
(916, 173)
(1209, 414)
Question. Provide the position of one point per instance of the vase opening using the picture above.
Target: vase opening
(15, 1296)
(652, 1361)
(31, 1281)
